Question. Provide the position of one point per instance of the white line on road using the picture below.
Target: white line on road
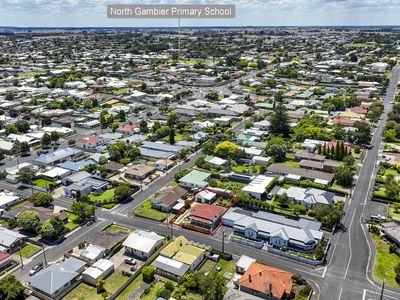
(351, 253)
(377, 293)
(340, 295)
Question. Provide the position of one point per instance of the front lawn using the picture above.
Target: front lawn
(145, 210)
(28, 250)
(116, 228)
(385, 262)
(106, 196)
(43, 183)
(394, 213)
(72, 221)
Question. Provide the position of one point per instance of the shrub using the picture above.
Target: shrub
(148, 274)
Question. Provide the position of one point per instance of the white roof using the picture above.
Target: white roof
(55, 172)
(245, 262)
(98, 268)
(205, 194)
(6, 145)
(142, 240)
(258, 184)
(6, 198)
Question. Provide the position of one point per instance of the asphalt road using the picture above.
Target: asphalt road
(348, 274)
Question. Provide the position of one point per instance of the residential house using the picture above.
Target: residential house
(57, 156)
(8, 199)
(206, 215)
(215, 161)
(92, 253)
(275, 230)
(91, 143)
(139, 171)
(56, 280)
(205, 196)
(142, 244)
(308, 197)
(163, 164)
(128, 129)
(10, 241)
(195, 179)
(200, 137)
(100, 269)
(5, 260)
(257, 186)
(266, 282)
(85, 187)
(167, 198)
(244, 263)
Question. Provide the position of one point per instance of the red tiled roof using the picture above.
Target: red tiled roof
(206, 212)
(267, 280)
(90, 140)
(4, 256)
(127, 127)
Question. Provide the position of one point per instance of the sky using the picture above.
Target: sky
(92, 13)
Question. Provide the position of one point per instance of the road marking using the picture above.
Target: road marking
(309, 273)
(377, 293)
(340, 295)
(351, 253)
(323, 274)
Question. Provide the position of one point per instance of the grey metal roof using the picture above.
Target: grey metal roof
(8, 237)
(161, 147)
(54, 277)
(156, 153)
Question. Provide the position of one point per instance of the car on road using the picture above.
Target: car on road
(36, 269)
(130, 261)
(186, 159)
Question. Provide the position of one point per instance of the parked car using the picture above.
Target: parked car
(130, 261)
(133, 269)
(36, 269)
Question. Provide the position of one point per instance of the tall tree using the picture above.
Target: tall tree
(279, 121)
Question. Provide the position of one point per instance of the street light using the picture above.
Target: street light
(223, 241)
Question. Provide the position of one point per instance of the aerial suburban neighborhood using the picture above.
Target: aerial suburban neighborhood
(200, 163)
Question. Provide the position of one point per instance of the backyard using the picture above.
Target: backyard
(385, 262)
(106, 196)
(145, 210)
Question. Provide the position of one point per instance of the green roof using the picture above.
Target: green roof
(264, 105)
(196, 177)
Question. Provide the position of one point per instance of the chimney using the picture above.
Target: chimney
(270, 289)
(249, 277)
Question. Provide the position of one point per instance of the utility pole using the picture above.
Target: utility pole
(223, 242)
(179, 38)
(383, 287)
(20, 258)
(44, 256)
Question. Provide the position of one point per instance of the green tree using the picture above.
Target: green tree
(24, 148)
(11, 288)
(28, 220)
(344, 175)
(362, 135)
(213, 286)
(396, 271)
(172, 136)
(143, 126)
(100, 285)
(114, 126)
(226, 149)
(278, 152)
(103, 160)
(122, 191)
(319, 252)
(46, 140)
(391, 187)
(53, 228)
(329, 215)
(148, 273)
(82, 210)
(279, 121)
(55, 136)
(41, 199)
(26, 175)
(172, 119)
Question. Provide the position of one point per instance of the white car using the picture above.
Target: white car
(130, 261)
(36, 269)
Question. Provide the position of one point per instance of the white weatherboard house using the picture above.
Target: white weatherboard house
(274, 230)
(308, 197)
(257, 186)
(142, 244)
(7, 199)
